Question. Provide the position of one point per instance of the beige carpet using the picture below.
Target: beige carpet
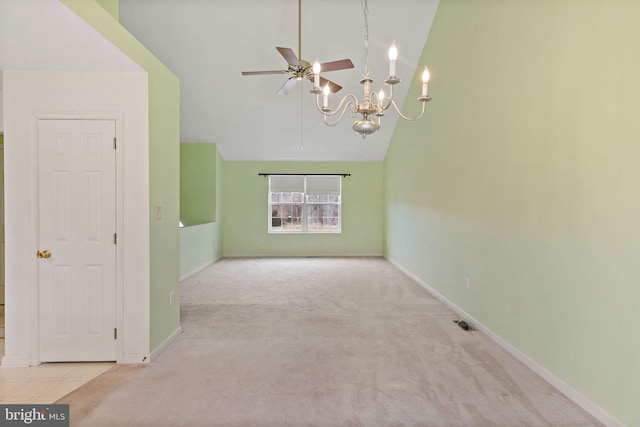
(320, 342)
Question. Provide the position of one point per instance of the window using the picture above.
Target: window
(305, 204)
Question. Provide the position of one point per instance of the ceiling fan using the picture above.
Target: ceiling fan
(299, 69)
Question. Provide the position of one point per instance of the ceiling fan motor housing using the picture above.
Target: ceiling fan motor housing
(301, 71)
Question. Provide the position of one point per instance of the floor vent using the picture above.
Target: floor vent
(464, 325)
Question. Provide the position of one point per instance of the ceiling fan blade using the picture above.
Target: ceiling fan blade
(287, 86)
(333, 87)
(257, 73)
(289, 55)
(343, 64)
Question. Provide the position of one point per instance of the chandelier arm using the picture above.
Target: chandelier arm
(326, 122)
(424, 105)
(377, 101)
(353, 109)
(327, 112)
(388, 99)
(390, 92)
(380, 102)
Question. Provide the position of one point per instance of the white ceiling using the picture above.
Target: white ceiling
(47, 35)
(208, 43)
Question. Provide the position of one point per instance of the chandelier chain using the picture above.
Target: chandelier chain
(365, 10)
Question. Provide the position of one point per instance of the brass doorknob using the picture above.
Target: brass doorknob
(44, 254)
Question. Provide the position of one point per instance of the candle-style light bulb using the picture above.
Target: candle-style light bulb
(425, 80)
(316, 74)
(381, 99)
(426, 75)
(393, 55)
(393, 52)
(325, 98)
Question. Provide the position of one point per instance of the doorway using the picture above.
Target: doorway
(76, 240)
(1, 234)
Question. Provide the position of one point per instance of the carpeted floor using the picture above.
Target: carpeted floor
(320, 342)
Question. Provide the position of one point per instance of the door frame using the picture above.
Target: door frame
(34, 287)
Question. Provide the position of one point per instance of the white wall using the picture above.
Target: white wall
(29, 95)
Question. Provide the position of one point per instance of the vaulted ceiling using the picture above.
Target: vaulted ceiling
(40, 35)
(208, 43)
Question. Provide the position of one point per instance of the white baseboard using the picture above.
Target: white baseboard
(20, 362)
(15, 362)
(166, 343)
(578, 398)
(133, 358)
(199, 268)
(303, 255)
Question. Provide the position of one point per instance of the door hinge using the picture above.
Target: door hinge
(115, 333)
(114, 142)
(115, 239)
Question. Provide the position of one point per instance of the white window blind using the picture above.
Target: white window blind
(286, 184)
(323, 186)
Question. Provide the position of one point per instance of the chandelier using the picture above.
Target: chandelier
(374, 104)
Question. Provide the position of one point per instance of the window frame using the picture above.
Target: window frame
(305, 227)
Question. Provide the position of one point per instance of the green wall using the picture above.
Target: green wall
(164, 155)
(524, 177)
(245, 209)
(111, 6)
(197, 183)
(201, 245)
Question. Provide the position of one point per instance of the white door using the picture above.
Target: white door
(76, 240)
(2, 239)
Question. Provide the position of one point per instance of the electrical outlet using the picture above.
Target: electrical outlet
(171, 297)
(466, 283)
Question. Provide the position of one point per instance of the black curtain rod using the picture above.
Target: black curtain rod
(306, 174)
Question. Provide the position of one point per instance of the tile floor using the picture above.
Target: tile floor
(45, 383)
